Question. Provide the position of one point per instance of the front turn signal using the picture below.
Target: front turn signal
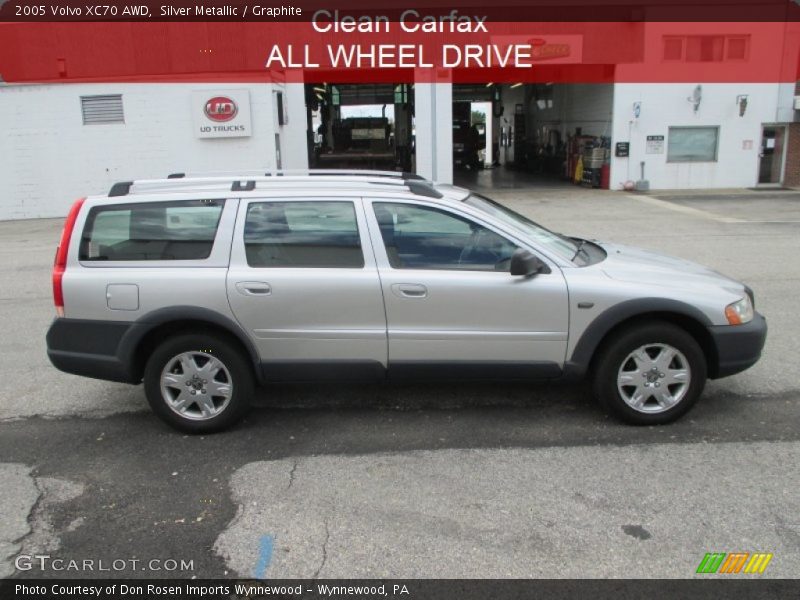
(740, 312)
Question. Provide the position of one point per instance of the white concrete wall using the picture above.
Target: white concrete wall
(49, 158)
(434, 131)
(666, 105)
(294, 140)
(786, 112)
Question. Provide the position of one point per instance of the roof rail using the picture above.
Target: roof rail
(423, 188)
(239, 182)
(405, 175)
(121, 188)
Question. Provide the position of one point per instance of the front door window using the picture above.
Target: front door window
(418, 237)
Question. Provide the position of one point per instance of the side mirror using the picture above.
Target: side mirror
(525, 264)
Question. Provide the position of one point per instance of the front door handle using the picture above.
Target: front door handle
(254, 288)
(410, 290)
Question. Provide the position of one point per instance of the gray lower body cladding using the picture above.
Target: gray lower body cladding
(106, 350)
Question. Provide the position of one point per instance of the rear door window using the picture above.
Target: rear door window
(181, 230)
(308, 234)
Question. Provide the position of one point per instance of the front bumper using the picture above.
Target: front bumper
(738, 347)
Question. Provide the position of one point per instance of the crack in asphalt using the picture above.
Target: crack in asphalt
(291, 475)
(324, 551)
(43, 536)
(87, 415)
(21, 497)
(31, 519)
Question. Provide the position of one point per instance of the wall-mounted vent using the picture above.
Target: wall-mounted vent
(98, 110)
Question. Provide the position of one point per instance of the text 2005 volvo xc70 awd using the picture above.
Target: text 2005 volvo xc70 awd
(205, 287)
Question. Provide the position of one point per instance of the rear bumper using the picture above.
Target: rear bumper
(738, 347)
(89, 348)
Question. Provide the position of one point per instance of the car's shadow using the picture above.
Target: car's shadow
(302, 419)
(384, 418)
(427, 395)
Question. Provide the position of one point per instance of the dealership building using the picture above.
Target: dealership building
(66, 135)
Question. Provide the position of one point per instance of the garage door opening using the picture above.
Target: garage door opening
(360, 126)
(472, 122)
(537, 135)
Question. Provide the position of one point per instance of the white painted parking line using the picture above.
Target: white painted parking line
(776, 222)
(687, 210)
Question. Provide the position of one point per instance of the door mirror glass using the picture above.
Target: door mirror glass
(525, 264)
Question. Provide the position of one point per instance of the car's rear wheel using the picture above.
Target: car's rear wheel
(198, 383)
(650, 374)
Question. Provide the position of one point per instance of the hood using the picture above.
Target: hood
(635, 265)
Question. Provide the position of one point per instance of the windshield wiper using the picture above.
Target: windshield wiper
(581, 244)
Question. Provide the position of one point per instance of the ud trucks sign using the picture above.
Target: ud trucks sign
(221, 113)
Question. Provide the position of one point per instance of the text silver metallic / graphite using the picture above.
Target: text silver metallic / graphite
(201, 10)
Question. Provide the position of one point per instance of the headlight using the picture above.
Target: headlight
(740, 312)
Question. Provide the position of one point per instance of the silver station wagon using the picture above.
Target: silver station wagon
(205, 287)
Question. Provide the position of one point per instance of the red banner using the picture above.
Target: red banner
(393, 10)
(468, 51)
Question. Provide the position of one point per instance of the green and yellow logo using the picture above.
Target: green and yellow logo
(734, 562)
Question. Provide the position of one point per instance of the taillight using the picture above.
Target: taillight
(60, 264)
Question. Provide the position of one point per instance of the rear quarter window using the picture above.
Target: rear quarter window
(182, 230)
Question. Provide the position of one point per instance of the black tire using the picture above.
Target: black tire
(613, 354)
(242, 385)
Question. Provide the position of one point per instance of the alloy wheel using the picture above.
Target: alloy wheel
(196, 385)
(654, 378)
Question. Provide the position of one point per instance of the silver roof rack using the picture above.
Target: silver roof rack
(302, 173)
(244, 181)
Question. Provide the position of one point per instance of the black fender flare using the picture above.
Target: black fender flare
(578, 364)
(128, 345)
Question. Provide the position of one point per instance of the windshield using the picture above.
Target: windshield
(558, 244)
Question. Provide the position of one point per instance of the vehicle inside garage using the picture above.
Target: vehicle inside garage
(503, 134)
(548, 133)
(360, 126)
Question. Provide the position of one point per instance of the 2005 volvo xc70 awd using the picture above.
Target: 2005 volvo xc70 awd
(204, 287)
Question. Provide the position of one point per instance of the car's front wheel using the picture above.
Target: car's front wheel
(650, 374)
(198, 383)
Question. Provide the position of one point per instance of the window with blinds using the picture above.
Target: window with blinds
(98, 110)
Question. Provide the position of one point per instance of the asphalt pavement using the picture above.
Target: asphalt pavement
(416, 480)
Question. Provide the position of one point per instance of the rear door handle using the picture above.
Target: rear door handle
(254, 288)
(410, 290)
